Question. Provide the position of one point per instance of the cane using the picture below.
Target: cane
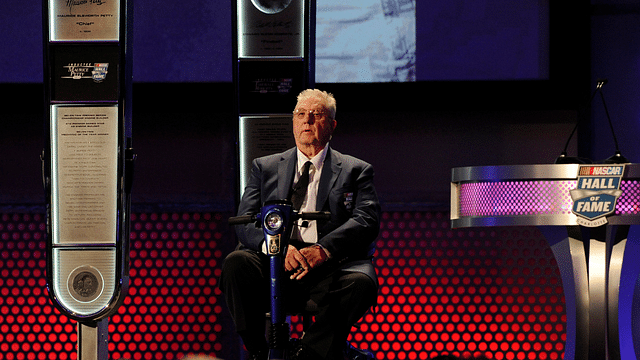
(276, 219)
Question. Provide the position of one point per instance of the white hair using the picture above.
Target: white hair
(329, 102)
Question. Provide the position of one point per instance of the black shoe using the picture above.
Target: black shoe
(262, 355)
(353, 353)
(302, 353)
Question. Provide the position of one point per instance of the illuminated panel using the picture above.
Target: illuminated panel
(514, 198)
(475, 291)
(629, 202)
(84, 20)
(273, 29)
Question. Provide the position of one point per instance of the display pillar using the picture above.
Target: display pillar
(274, 44)
(87, 161)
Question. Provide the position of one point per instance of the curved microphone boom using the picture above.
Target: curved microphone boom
(617, 158)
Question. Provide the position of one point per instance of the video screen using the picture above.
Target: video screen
(363, 41)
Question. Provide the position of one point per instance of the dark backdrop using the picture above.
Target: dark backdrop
(185, 130)
(184, 125)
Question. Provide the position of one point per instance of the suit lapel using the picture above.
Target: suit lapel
(286, 168)
(331, 170)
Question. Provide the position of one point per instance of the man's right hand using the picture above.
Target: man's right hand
(296, 263)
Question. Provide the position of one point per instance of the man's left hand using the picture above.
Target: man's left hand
(315, 255)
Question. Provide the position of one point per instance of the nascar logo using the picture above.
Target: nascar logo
(78, 71)
(596, 193)
(99, 72)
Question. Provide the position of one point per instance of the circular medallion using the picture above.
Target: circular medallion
(271, 6)
(85, 284)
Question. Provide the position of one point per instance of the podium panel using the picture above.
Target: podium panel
(530, 195)
(585, 212)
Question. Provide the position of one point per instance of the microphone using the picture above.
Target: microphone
(563, 158)
(600, 83)
(617, 157)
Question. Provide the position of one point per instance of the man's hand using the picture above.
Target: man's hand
(300, 262)
(315, 255)
(296, 262)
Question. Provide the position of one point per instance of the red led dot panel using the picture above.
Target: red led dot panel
(30, 327)
(173, 307)
(494, 292)
(488, 291)
(174, 304)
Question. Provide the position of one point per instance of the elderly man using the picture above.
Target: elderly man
(328, 262)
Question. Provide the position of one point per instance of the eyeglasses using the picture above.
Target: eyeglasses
(316, 114)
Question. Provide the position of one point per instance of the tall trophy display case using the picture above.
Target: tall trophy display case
(87, 162)
(274, 46)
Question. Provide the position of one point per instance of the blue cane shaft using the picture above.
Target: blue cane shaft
(277, 314)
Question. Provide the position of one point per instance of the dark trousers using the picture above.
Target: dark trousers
(342, 298)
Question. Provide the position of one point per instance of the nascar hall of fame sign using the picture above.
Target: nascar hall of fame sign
(85, 72)
(95, 71)
(596, 193)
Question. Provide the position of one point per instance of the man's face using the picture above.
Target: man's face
(312, 130)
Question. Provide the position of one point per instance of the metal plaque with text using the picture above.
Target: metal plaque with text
(84, 174)
(261, 136)
(270, 28)
(79, 20)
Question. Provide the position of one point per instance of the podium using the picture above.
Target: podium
(589, 246)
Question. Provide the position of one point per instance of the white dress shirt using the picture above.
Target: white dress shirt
(309, 234)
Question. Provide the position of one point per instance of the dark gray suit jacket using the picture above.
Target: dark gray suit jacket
(345, 190)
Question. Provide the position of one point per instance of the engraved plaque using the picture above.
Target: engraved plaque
(84, 174)
(84, 73)
(270, 28)
(76, 20)
(261, 136)
(269, 86)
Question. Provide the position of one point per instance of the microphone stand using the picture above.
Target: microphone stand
(617, 158)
